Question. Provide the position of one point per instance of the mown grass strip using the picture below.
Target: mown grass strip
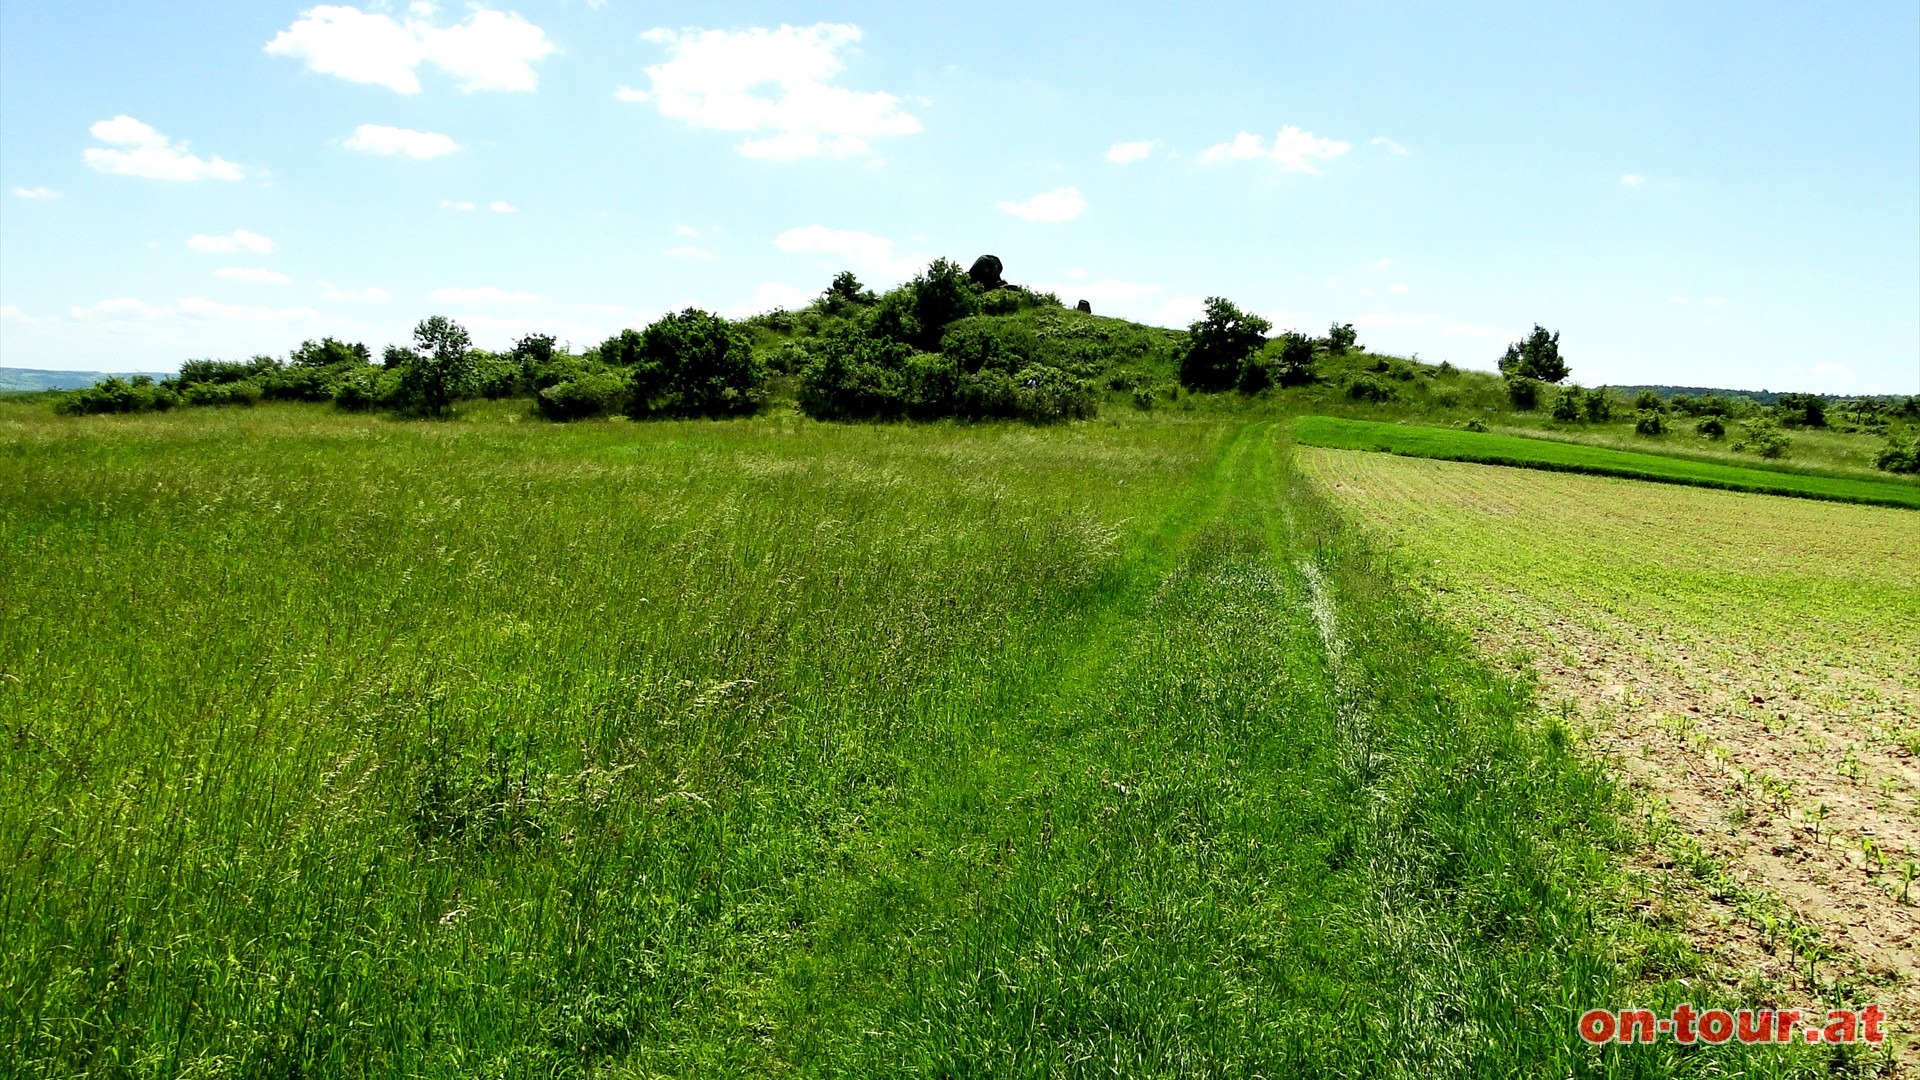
(1488, 449)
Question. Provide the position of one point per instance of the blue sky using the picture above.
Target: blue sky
(1722, 194)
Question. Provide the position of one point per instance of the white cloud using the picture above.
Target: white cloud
(1121, 153)
(772, 84)
(491, 50)
(240, 240)
(1060, 204)
(147, 153)
(257, 275)
(503, 207)
(449, 204)
(128, 309)
(1392, 147)
(36, 193)
(1379, 264)
(1105, 290)
(419, 145)
(691, 252)
(1180, 312)
(873, 254)
(1397, 289)
(772, 295)
(1293, 149)
(687, 230)
(371, 295)
(10, 313)
(1632, 180)
(484, 294)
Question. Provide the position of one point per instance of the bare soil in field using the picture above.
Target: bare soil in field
(1750, 663)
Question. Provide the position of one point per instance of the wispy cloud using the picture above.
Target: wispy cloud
(143, 152)
(1632, 180)
(867, 252)
(1293, 150)
(394, 141)
(1060, 204)
(257, 275)
(238, 240)
(35, 193)
(484, 294)
(1391, 146)
(1122, 153)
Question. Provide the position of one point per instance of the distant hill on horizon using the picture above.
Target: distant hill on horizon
(19, 379)
(1763, 397)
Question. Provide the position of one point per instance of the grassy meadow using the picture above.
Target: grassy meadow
(341, 745)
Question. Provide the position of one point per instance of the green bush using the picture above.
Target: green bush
(1899, 456)
(1523, 392)
(1255, 375)
(1341, 339)
(1044, 394)
(1762, 436)
(854, 376)
(1294, 365)
(1369, 388)
(1476, 424)
(359, 391)
(1711, 427)
(1570, 404)
(1599, 405)
(1648, 401)
(1218, 344)
(1649, 422)
(1801, 410)
(246, 392)
(115, 395)
(695, 363)
(587, 394)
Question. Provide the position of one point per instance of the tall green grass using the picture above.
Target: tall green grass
(1535, 453)
(347, 747)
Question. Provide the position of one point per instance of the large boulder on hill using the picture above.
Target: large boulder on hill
(985, 272)
(1084, 306)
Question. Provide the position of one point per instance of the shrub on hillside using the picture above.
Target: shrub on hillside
(1570, 404)
(245, 392)
(1648, 401)
(360, 390)
(116, 395)
(1801, 410)
(1369, 388)
(1218, 344)
(1649, 422)
(1341, 339)
(1523, 392)
(1294, 364)
(694, 363)
(586, 394)
(851, 375)
(1899, 456)
(1599, 405)
(1710, 427)
(1536, 357)
(1762, 436)
(1044, 394)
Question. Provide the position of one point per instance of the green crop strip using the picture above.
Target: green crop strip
(1491, 449)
